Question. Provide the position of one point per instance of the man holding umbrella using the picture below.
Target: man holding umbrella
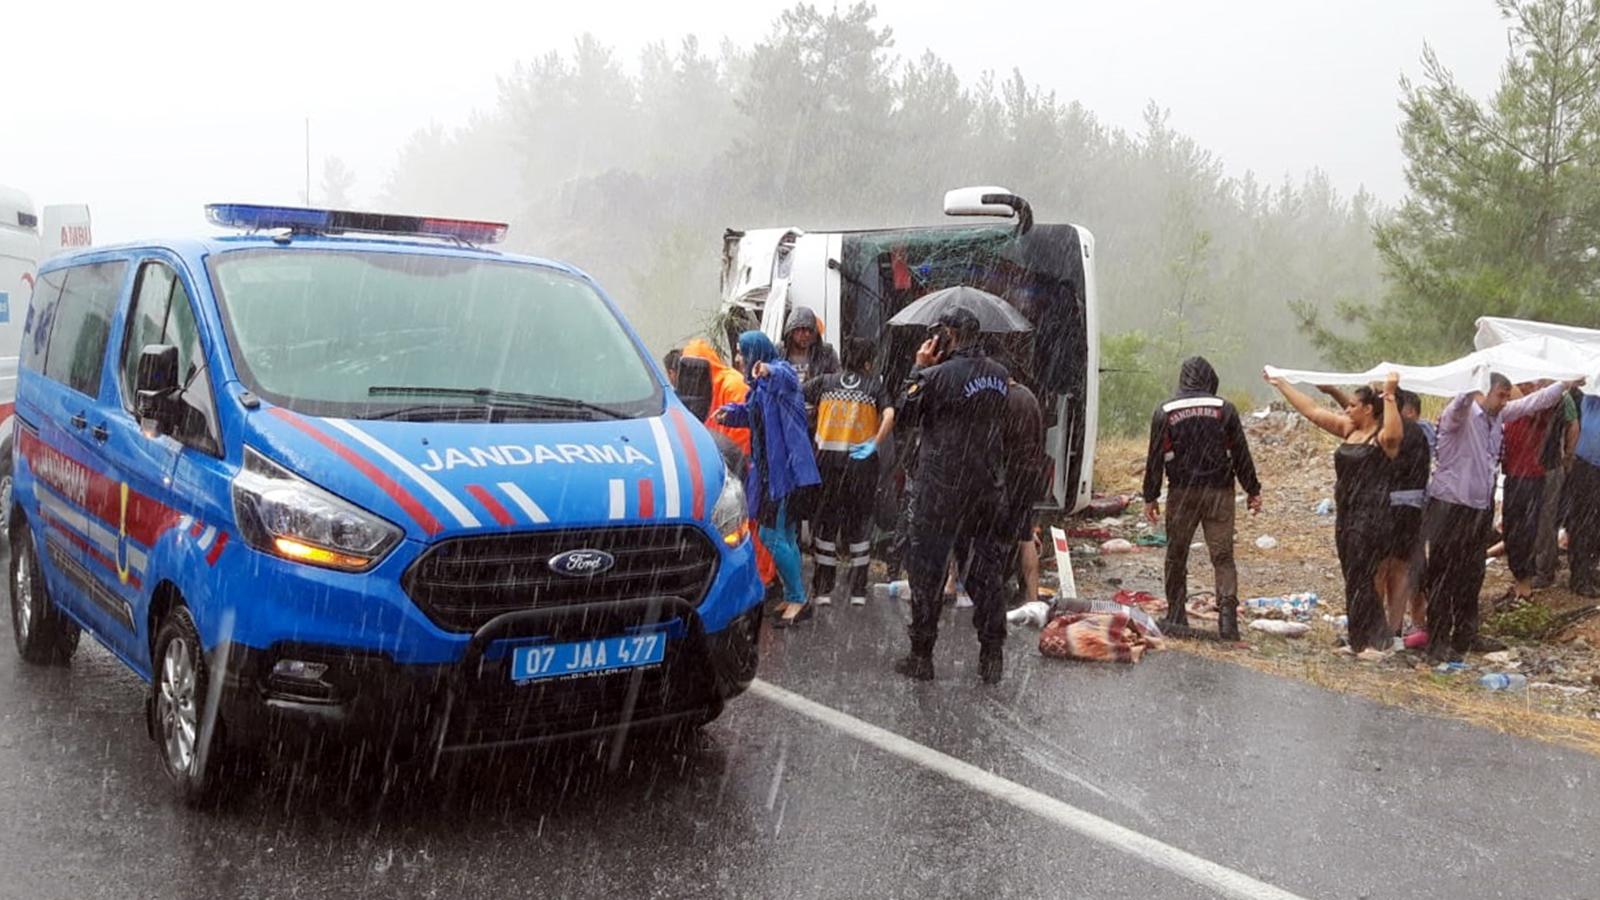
(957, 396)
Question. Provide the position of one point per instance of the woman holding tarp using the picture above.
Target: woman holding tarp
(1371, 432)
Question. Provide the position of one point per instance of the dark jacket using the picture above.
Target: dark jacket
(959, 407)
(1196, 438)
(821, 358)
(1023, 438)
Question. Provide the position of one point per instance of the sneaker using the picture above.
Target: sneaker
(919, 668)
(963, 600)
(823, 600)
(858, 600)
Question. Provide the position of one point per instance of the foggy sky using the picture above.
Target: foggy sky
(146, 111)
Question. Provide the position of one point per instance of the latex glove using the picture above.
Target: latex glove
(863, 451)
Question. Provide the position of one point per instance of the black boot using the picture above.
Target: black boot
(1228, 618)
(1175, 623)
(918, 664)
(992, 664)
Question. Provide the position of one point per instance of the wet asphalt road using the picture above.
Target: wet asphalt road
(1314, 792)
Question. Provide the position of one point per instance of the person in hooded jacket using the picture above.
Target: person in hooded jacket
(956, 396)
(1198, 443)
(804, 348)
(782, 464)
(728, 386)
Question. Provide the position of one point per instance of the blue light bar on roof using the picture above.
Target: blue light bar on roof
(253, 217)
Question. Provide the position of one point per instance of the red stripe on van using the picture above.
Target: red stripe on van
(398, 494)
(697, 482)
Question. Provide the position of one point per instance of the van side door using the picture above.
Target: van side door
(70, 492)
(153, 501)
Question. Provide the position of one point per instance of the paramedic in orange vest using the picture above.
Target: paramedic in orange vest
(853, 415)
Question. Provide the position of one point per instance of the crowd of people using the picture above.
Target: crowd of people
(1414, 500)
(812, 431)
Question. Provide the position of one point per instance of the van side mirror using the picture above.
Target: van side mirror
(155, 386)
(694, 386)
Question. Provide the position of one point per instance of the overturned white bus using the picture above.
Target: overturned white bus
(856, 280)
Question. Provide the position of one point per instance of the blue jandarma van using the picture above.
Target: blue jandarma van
(393, 488)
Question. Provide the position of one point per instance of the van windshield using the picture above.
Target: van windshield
(366, 334)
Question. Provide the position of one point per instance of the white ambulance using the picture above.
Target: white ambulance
(25, 240)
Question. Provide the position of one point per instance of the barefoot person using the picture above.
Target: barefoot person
(1371, 433)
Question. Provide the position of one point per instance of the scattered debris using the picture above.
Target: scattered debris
(1502, 681)
(1266, 542)
(1117, 545)
(1097, 637)
(1281, 628)
(1294, 606)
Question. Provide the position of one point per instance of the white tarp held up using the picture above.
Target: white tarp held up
(1494, 331)
(1517, 349)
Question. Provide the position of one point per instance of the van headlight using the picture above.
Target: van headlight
(729, 516)
(283, 514)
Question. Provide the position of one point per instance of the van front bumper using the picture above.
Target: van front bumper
(364, 696)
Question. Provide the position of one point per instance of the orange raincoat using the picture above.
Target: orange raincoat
(728, 386)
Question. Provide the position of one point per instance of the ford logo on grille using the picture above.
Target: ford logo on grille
(581, 563)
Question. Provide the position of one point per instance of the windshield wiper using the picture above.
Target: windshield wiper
(500, 399)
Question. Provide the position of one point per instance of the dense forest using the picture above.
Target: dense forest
(632, 168)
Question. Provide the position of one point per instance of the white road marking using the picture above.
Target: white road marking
(1219, 878)
(524, 502)
(447, 499)
(669, 468)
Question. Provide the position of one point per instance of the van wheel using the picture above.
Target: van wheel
(45, 636)
(178, 696)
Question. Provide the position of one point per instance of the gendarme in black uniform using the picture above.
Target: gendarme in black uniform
(959, 405)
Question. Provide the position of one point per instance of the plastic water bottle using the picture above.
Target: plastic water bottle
(1504, 681)
(894, 590)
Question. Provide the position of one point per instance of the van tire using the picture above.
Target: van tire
(45, 636)
(179, 691)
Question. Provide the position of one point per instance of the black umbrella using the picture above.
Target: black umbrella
(995, 316)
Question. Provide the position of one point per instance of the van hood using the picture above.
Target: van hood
(442, 479)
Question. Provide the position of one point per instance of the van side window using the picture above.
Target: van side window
(162, 314)
(82, 322)
(41, 311)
